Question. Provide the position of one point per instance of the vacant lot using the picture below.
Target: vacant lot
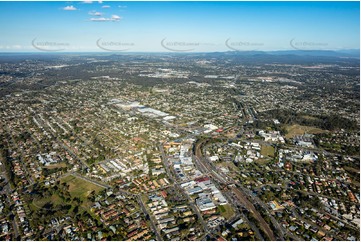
(226, 211)
(267, 150)
(293, 130)
(54, 199)
(79, 187)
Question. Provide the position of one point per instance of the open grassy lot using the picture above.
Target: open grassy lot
(295, 129)
(54, 199)
(79, 187)
(226, 210)
(267, 150)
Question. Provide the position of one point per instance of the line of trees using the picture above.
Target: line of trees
(327, 122)
(8, 166)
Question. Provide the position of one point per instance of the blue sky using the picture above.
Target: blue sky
(183, 26)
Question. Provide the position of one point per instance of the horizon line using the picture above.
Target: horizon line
(180, 52)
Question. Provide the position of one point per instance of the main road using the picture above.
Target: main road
(151, 220)
(206, 167)
(173, 179)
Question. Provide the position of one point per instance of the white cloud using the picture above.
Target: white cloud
(99, 19)
(95, 13)
(11, 47)
(88, 2)
(100, 2)
(116, 17)
(106, 6)
(70, 8)
(122, 6)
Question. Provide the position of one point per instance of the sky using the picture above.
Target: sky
(178, 26)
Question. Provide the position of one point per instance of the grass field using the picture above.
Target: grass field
(267, 150)
(54, 199)
(79, 187)
(295, 129)
(226, 211)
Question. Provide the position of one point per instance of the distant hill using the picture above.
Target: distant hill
(244, 57)
(338, 53)
(351, 57)
(353, 53)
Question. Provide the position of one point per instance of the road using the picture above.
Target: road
(206, 167)
(61, 143)
(29, 178)
(242, 197)
(7, 191)
(255, 199)
(240, 214)
(195, 209)
(166, 165)
(151, 220)
(173, 179)
(90, 180)
(329, 233)
(282, 230)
